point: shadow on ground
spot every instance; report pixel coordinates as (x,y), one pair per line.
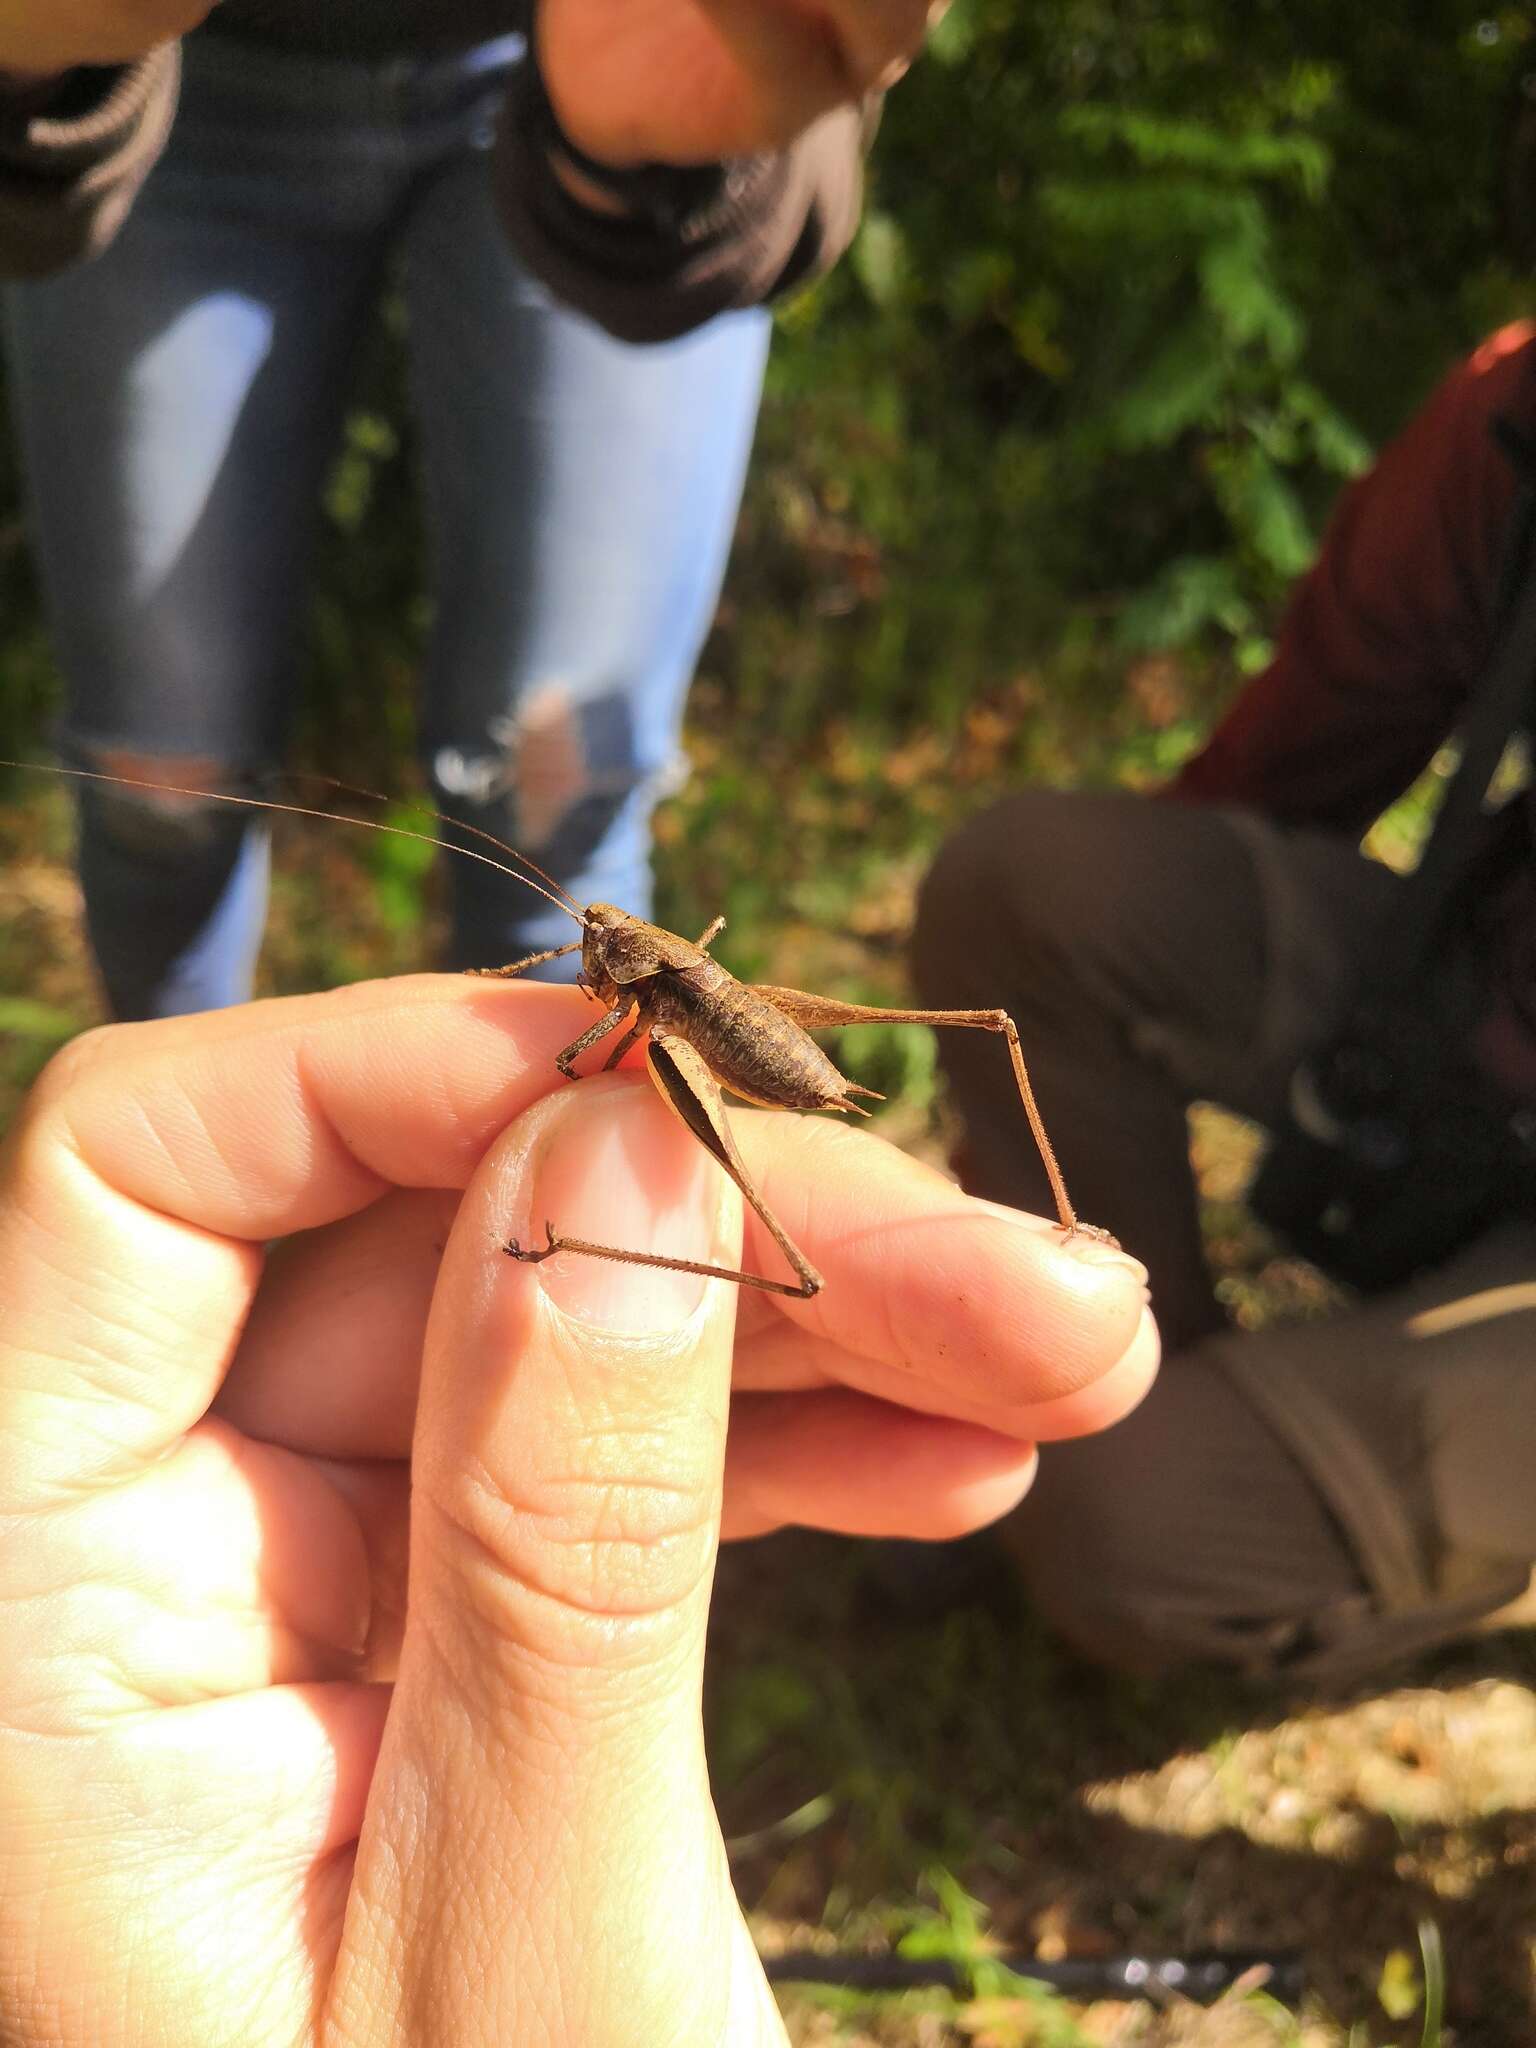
(1091,1813)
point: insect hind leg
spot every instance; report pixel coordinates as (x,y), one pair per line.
(528,1255)
(825,1013)
(689,1088)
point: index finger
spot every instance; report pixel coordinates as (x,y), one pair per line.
(153,1162)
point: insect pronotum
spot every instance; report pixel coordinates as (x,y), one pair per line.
(703,1029)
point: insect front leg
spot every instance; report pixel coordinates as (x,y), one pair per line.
(522,966)
(573,1052)
(823,1013)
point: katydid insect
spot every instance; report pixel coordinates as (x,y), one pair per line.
(703,1028)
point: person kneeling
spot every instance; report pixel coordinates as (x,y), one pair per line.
(1320,1498)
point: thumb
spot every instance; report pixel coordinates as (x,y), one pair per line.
(541,1861)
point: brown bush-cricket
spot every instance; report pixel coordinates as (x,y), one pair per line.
(703,1029)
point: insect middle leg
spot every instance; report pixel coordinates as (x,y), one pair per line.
(624,1044)
(824,1013)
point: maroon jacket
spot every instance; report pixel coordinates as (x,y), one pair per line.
(1383,641)
(1382,644)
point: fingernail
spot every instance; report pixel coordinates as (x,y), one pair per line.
(1083,1243)
(616,1169)
(1102,1251)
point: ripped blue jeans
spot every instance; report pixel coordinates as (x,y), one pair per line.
(179,402)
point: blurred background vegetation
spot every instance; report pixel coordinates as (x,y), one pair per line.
(1139,286)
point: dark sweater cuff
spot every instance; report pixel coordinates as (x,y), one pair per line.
(692,242)
(72,162)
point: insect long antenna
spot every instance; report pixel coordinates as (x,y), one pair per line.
(264,803)
(568,901)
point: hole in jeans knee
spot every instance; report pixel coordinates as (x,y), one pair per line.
(550,768)
(160,801)
(534,760)
(559,752)
(167,781)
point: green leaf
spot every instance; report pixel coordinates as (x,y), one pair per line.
(1398,1989)
(1155,141)
(953,36)
(40,1023)
(1181,388)
(1336,444)
(976,282)
(953,1934)
(1142,212)
(879,260)
(1264,509)
(1184,601)
(1240,290)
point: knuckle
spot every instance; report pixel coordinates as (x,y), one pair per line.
(583,1551)
(69,1069)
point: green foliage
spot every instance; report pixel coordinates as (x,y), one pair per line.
(758,1705)
(400,867)
(900,1061)
(955,1933)
(1138,286)
(30,1033)
(1139,283)
(1197,202)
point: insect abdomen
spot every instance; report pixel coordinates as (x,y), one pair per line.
(752,1048)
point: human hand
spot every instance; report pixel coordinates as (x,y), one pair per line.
(220,1824)
(689,81)
(36,40)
